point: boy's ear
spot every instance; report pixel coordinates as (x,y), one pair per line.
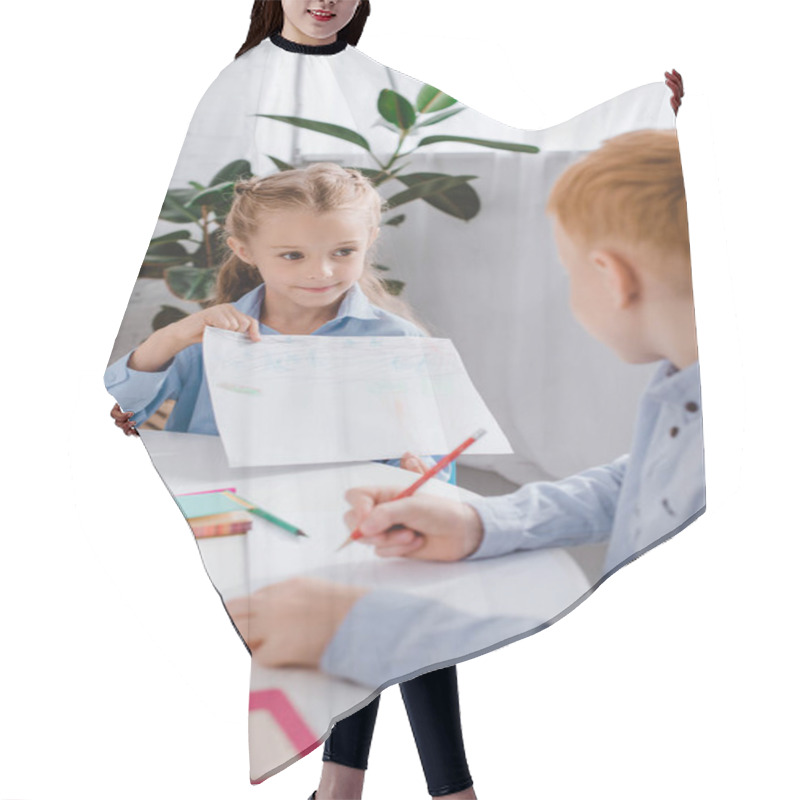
(618,276)
(373,236)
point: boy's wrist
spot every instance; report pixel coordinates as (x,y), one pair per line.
(474,530)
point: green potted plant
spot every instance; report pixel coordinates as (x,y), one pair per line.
(188,259)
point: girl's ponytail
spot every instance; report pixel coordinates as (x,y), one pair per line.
(235,278)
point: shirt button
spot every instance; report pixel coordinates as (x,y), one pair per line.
(673,432)
(691,406)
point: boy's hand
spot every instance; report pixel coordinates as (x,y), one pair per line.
(225,316)
(291,623)
(428,527)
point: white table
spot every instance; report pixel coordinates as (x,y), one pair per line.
(539,584)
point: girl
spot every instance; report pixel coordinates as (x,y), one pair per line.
(300,242)
(317,286)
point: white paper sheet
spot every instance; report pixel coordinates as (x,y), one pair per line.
(324,399)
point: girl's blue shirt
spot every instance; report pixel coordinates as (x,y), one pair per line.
(183,378)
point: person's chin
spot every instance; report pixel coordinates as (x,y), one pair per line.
(323,297)
(636,356)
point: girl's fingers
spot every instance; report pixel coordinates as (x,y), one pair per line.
(255,334)
(412,463)
(236,321)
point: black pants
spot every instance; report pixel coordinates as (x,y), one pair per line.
(432,706)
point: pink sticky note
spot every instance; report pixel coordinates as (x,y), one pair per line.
(276,703)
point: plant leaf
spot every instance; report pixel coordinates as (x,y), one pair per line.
(395,220)
(322,127)
(377,176)
(174,236)
(396,109)
(430,99)
(450,194)
(283,166)
(174,207)
(439,117)
(517,148)
(190,283)
(161,255)
(166,316)
(211,195)
(392,286)
(230,173)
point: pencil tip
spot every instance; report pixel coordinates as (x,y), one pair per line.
(344,544)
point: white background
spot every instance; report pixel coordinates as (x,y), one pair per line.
(120,677)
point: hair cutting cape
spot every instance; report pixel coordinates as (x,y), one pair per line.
(301,419)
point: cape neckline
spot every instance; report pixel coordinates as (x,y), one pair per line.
(308,49)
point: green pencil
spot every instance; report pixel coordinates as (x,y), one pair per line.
(259,512)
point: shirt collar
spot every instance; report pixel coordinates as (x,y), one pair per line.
(354,304)
(672,385)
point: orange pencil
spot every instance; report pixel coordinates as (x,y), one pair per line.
(437,467)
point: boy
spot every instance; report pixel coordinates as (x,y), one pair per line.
(620,225)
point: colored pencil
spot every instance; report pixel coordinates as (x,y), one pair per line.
(208,491)
(423,479)
(259,512)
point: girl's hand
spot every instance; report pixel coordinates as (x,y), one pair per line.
(122,419)
(413,463)
(675,82)
(156,352)
(190,329)
(427,527)
(291,623)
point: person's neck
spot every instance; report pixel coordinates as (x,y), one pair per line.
(676,334)
(297,36)
(295,320)
(332,46)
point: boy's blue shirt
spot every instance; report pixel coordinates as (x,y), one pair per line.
(634,502)
(184,377)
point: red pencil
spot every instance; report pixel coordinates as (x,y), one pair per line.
(437,467)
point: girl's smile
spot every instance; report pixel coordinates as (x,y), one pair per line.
(320,289)
(322,16)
